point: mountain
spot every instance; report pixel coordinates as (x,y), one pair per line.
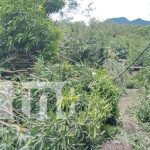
(140,21)
(123,20)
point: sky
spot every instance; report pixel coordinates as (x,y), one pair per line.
(131,9)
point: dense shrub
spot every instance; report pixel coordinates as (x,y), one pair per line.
(95,101)
(26,32)
(82,43)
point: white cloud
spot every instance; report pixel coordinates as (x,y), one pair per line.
(130,9)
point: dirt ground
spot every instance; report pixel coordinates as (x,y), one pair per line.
(127,125)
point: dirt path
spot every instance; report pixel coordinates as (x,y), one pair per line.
(128,124)
(125,103)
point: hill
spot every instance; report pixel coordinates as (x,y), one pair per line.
(123,20)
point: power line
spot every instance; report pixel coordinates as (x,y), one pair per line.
(133,62)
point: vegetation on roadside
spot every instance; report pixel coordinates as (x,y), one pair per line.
(86,58)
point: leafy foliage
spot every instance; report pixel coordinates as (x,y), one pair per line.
(144,82)
(144,111)
(26,32)
(89,97)
(82,43)
(53,6)
(95,113)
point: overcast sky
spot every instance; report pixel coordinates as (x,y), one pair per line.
(130,9)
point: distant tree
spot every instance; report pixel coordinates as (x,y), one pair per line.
(82,43)
(53,6)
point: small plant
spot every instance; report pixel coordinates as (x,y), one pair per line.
(144,111)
